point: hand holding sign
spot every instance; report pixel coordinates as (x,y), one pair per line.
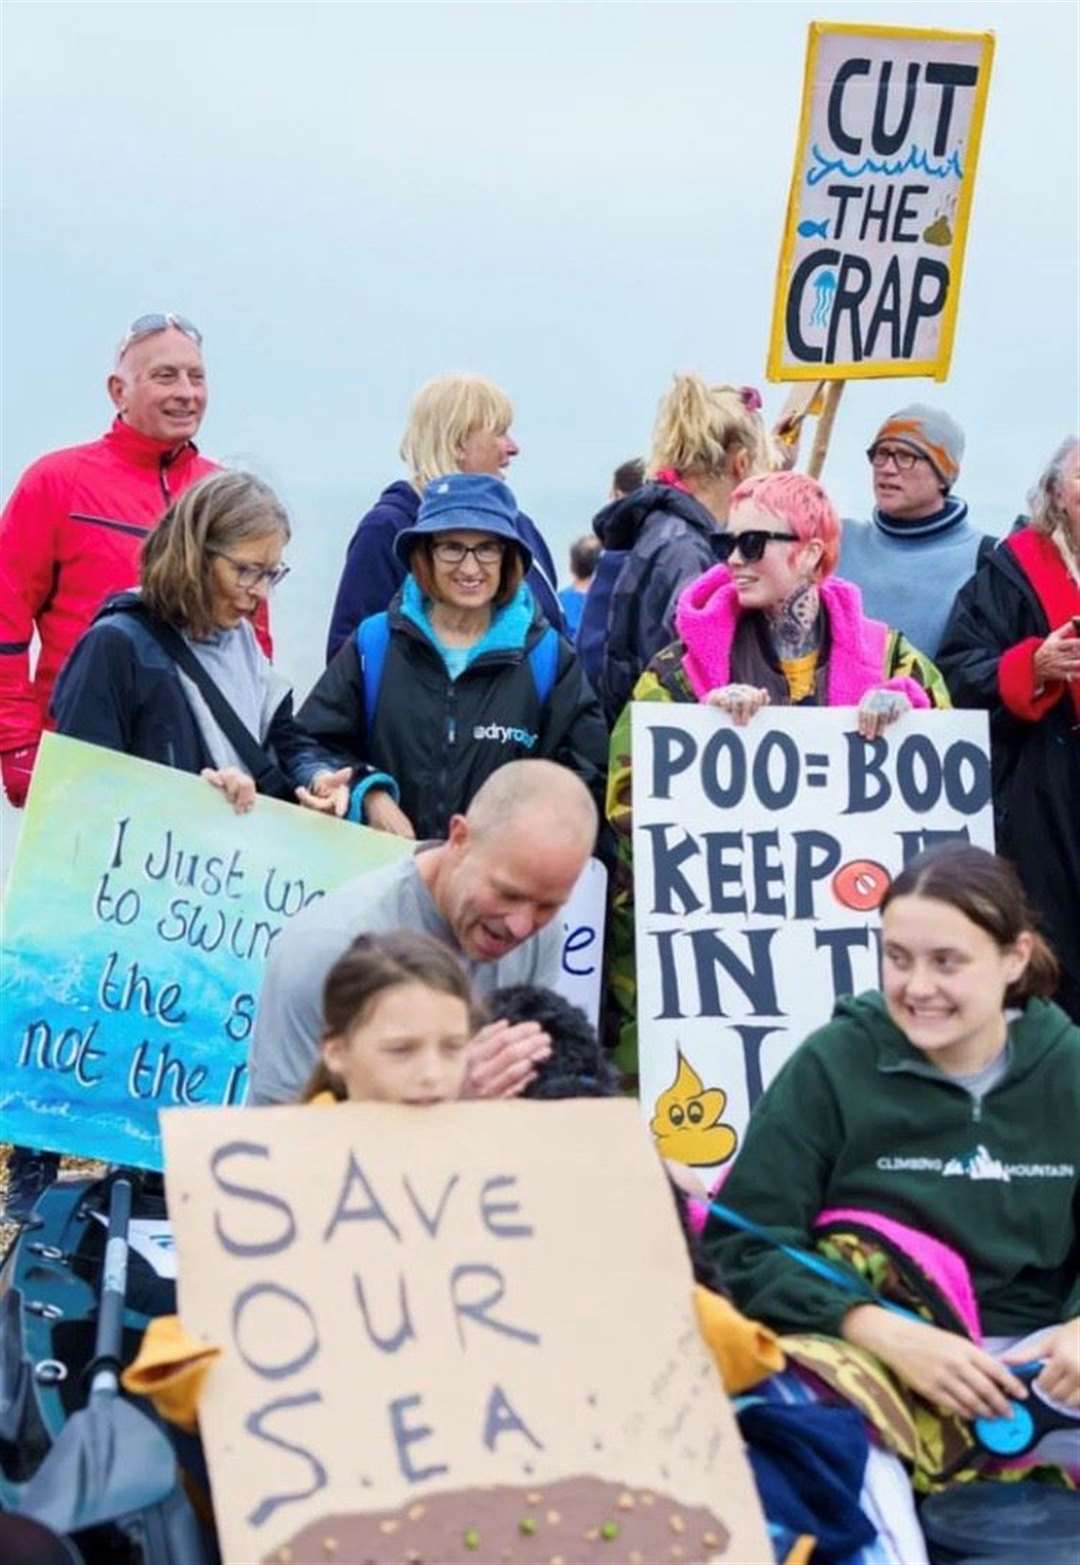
(879,708)
(740,702)
(235,784)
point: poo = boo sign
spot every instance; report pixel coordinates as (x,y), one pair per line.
(761,857)
(868,282)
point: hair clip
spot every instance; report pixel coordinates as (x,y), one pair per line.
(751,398)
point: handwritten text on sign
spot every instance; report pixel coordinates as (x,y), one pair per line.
(137,924)
(869,275)
(426,1349)
(760,857)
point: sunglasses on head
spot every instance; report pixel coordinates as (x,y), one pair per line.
(160,320)
(750,544)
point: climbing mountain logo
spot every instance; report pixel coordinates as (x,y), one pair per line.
(977,1165)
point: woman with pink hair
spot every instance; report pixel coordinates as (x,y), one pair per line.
(769,625)
(772,625)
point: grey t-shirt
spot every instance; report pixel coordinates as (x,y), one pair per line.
(288,1026)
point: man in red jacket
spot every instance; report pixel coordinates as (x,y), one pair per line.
(71,532)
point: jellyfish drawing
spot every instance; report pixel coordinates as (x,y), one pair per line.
(824,288)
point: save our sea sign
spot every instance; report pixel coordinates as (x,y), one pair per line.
(138,918)
(761,857)
(440,1343)
(868,282)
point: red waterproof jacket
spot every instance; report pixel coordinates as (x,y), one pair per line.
(70,536)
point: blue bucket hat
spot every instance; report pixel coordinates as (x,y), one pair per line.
(466,502)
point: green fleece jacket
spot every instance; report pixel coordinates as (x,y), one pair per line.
(859,1118)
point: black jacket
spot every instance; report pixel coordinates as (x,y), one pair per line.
(121,690)
(440,738)
(1036,764)
(668,535)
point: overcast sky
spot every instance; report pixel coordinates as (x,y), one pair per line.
(576,200)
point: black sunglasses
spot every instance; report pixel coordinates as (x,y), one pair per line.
(750,544)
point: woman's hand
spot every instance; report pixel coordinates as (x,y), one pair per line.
(1059,655)
(383,814)
(740,702)
(503,1058)
(236,785)
(877,709)
(1060,1377)
(947,1369)
(329,792)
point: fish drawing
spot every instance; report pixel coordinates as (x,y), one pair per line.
(807,229)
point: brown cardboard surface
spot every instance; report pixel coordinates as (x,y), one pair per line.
(464,1332)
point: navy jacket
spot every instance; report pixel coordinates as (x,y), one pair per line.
(373,573)
(664,538)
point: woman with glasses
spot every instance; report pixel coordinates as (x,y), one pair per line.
(463,672)
(769,625)
(173,673)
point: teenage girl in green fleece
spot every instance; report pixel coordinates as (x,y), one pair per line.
(949,1102)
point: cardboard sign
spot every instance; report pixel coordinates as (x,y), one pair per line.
(868,282)
(761,855)
(482,1354)
(137,922)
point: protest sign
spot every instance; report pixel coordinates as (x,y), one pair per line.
(485,1354)
(868,282)
(761,855)
(137,923)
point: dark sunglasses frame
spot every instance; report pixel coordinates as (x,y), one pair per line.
(466,549)
(750,544)
(902,457)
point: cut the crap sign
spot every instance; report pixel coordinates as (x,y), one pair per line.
(869,276)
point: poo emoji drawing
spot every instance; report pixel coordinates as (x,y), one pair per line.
(687,1122)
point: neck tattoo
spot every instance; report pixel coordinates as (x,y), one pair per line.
(793,624)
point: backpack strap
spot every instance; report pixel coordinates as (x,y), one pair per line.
(544,662)
(372,641)
(262,767)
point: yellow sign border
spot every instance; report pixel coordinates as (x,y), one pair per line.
(937,368)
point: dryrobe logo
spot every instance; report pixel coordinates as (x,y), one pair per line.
(501,735)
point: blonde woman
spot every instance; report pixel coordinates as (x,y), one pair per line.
(457,424)
(706,440)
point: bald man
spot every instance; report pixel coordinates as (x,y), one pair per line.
(71,532)
(491,891)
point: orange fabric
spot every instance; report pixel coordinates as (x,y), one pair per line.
(803,1551)
(170,1368)
(745,1351)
